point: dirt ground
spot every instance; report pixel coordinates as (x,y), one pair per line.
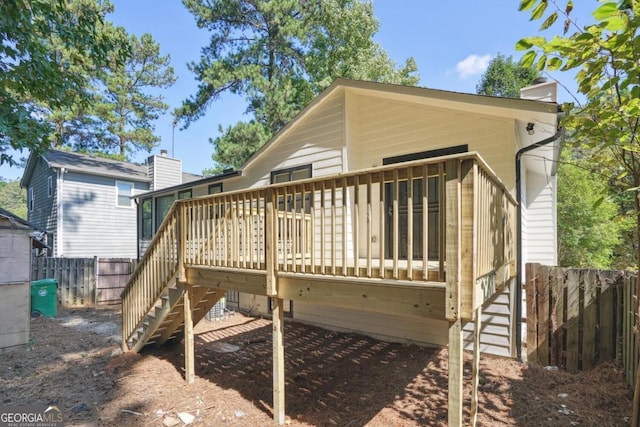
(332,379)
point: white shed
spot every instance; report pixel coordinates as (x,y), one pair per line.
(15,272)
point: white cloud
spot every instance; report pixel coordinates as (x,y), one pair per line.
(472,65)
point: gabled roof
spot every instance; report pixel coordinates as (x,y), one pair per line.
(96,165)
(15,220)
(493,105)
(93,165)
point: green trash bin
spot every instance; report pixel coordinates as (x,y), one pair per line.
(44,297)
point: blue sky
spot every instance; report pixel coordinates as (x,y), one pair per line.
(451,41)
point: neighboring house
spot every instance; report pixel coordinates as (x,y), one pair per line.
(17,237)
(355,125)
(85,203)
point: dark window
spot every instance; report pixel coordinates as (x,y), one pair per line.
(291,174)
(215,188)
(163,204)
(288,175)
(31,198)
(185,194)
(49,186)
(147,220)
(432,211)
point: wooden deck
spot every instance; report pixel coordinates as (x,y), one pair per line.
(379,240)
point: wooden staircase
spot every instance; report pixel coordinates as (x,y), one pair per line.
(166,321)
(153,300)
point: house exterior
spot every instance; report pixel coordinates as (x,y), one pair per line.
(16,242)
(86,204)
(355,125)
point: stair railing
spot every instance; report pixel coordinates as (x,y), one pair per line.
(154,273)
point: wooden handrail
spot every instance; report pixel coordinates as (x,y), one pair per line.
(386,222)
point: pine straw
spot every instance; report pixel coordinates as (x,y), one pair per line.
(332,379)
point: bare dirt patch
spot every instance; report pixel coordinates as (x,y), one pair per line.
(331,379)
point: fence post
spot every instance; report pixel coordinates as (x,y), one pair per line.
(95,283)
(532,272)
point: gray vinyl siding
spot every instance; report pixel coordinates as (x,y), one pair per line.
(165,172)
(93,224)
(44,213)
(540,227)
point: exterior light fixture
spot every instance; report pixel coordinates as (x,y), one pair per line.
(529,128)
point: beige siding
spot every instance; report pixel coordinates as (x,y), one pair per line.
(382,326)
(389,128)
(318,140)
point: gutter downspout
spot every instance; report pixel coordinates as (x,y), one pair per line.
(138,216)
(59,248)
(519,235)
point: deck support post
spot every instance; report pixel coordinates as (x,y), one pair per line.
(271,258)
(189,356)
(453,292)
(475,374)
(278,361)
(455,373)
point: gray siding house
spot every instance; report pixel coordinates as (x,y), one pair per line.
(86,204)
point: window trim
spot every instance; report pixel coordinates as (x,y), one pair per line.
(131,204)
(429,154)
(49,186)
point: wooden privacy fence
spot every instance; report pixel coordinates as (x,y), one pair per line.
(85,281)
(578,318)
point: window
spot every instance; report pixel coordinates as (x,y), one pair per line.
(184,194)
(163,204)
(124,191)
(147,220)
(433,210)
(215,188)
(288,175)
(31,198)
(291,174)
(50,186)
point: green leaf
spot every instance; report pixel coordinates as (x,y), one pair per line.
(539,10)
(554,64)
(526,5)
(551,19)
(542,62)
(523,44)
(605,11)
(616,23)
(528,58)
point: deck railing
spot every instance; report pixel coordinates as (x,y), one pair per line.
(387,222)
